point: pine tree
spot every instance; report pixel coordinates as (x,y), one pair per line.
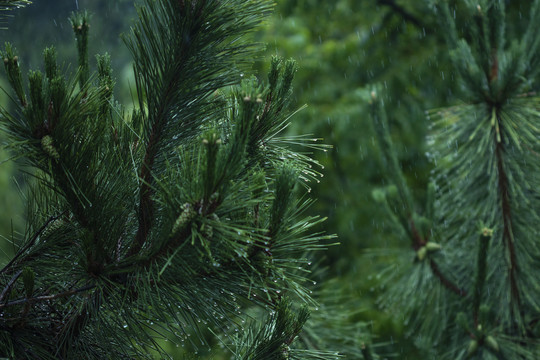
(469,289)
(181,217)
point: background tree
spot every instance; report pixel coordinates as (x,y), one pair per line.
(183,210)
(472,290)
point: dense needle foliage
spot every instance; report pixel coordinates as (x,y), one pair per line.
(472,291)
(169,221)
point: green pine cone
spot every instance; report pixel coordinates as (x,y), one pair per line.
(47,144)
(186,216)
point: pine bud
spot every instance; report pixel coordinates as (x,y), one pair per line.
(486,232)
(421,253)
(53,226)
(378,195)
(492,343)
(284,349)
(186,216)
(462,321)
(207,231)
(392,191)
(47,144)
(432,246)
(473,347)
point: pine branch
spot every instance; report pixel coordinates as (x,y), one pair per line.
(179,243)
(481,272)
(9,285)
(42,298)
(419,242)
(444,280)
(506,214)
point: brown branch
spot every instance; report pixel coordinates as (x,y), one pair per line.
(10,284)
(444,280)
(417,239)
(146,204)
(47,297)
(418,242)
(508,236)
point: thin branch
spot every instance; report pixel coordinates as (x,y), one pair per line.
(417,239)
(508,236)
(400,10)
(418,242)
(444,280)
(10,284)
(47,297)
(146,204)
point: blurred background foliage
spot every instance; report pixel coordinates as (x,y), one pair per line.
(342,47)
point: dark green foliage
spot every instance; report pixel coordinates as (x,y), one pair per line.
(6,5)
(143,225)
(475,296)
(273,341)
(80,23)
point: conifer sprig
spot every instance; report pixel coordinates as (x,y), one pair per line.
(185,212)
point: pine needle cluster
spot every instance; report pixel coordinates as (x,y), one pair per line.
(168,220)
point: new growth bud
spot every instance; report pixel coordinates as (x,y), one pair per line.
(425,250)
(47,144)
(487,232)
(472,348)
(421,253)
(432,246)
(492,343)
(186,216)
